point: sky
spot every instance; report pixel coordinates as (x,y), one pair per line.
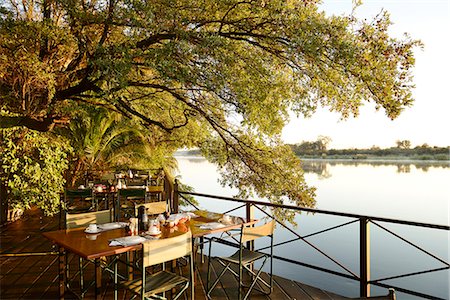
(428,120)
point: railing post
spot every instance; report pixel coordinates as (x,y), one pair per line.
(175,197)
(249,215)
(364,256)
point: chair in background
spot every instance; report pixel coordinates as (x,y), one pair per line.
(102,190)
(127,199)
(153,208)
(244,259)
(155,192)
(80,195)
(83,220)
(156,252)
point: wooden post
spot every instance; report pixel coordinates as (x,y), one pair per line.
(364,256)
(175,197)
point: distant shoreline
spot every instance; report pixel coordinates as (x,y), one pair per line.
(374,159)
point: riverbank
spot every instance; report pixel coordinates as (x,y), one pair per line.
(352,158)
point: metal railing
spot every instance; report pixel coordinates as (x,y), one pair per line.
(365,222)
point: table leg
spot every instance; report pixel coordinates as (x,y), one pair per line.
(202,242)
(62,272)
(116,259)
(117,208)
(130,268)
(98,277)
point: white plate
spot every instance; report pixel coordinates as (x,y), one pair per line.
(92,231)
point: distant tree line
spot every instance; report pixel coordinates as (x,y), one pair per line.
(402,149)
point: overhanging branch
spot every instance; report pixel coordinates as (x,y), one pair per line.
(40,124)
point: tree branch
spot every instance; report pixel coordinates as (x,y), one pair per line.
(42,124)
(155,39)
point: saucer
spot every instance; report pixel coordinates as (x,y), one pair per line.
(154,233)
(87,230)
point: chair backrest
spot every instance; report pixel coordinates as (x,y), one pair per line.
(107,176)
(132,193)
(84,219)
(82,193)
(159,251)
(252,233)
(153,208)
(155,188)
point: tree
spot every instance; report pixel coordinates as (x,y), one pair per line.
(403,144)
(32,168)
(230,70)
(323,142)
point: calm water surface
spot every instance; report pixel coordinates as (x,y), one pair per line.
(400,190)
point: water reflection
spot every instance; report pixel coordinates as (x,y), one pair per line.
(322,167)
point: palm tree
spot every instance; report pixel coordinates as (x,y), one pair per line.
(103,140)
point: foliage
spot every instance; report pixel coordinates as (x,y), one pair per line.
(422,152)
(317,147)
(221,75)
(33,165)
(403,144)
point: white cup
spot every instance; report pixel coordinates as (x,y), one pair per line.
(92,227)
(153,230)
(91,237)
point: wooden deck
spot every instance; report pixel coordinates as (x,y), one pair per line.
(35,276)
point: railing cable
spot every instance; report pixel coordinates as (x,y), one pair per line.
(312,245)
(412,244)
(192,204)
(341,214)
(408,274)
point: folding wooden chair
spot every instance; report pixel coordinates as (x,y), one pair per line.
(156,252)
(83,220)
(244,259)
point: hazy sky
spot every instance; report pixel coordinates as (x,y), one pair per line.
(428,120)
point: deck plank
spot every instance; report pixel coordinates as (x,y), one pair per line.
(36,277)
(278,292)
(291,288)
(314,293)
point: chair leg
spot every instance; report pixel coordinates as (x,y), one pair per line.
(210,289)
(253,283)
(80,264)
(67,270)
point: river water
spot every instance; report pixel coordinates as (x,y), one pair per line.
(411,191)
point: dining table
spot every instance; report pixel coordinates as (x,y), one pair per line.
(97,246)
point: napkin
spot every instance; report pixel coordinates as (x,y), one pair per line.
(110,226)
(127,240)
(212,225)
